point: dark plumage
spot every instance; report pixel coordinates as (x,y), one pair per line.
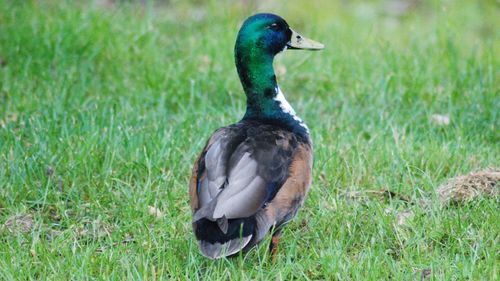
(252,176)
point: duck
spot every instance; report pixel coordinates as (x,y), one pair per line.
(252,177)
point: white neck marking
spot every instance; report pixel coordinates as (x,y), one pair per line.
(287,108)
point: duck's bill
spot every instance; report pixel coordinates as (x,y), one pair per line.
(300,42)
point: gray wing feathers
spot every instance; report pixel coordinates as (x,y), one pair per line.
(215,163)
(243,172)
(244,203)
(216,169)
(245,190)
(235,191)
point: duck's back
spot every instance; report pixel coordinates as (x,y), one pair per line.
(250,177)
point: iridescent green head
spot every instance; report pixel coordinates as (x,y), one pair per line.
(261,37)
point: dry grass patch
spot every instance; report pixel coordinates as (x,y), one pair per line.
(466,188)
(22,223)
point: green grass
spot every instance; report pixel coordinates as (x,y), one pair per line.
(104,108)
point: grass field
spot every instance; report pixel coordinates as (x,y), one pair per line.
(103,108)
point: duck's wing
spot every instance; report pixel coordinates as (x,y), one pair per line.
(205,183)
(239,172)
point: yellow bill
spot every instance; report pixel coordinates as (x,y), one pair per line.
(300,42)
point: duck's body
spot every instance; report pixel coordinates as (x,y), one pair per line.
(252,176)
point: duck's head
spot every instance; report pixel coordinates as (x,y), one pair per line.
(261,37)
(269,34)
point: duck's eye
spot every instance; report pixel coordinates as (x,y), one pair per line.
(273,26)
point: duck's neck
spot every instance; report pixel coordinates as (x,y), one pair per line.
(264,97)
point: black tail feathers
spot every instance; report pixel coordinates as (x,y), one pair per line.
(215,243)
